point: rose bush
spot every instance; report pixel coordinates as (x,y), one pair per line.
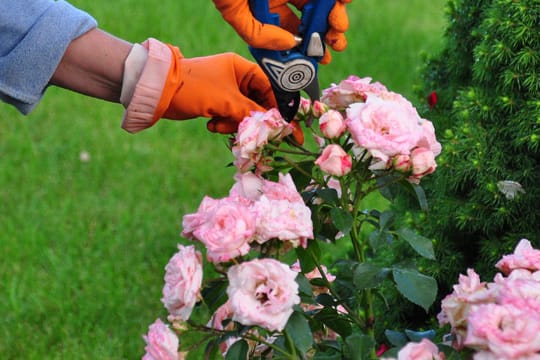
(292,245)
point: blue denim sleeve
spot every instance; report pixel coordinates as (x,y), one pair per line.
(34,35)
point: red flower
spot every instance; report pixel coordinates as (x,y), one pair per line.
(382,349)
(432,99)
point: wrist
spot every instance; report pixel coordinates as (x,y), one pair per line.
(145,76)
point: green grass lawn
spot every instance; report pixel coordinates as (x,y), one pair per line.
(83,244)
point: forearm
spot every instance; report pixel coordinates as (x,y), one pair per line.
(93,65)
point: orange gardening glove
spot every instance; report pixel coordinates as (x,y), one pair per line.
(224,87)
(266,36)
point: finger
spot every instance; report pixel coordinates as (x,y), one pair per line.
(298,133)
(222,125)
(338,18)
(336,40)
(327,58)
(253,83)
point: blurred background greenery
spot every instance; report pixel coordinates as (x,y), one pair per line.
(90,215)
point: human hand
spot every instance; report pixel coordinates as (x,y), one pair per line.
(224,87)
(266,36)
(160,83)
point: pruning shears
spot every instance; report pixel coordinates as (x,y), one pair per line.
(294,70)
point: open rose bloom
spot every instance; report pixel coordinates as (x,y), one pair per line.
(501,319)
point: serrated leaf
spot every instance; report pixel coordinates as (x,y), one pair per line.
(368,276)
(417,288)
(238,350)
(422,245)
(342,219)
(359,346)
(298,329)
(396,338)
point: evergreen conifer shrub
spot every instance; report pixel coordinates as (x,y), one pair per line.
(485,196)
(483,91)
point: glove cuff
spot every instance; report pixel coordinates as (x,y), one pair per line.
(145,75)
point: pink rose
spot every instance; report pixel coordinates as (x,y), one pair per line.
(523,293)
(254,132)
(524,257)
(332,124)
(505,330)
(223,313)
(262,292)
(278,208)
(283,220)
(224,226)
(385,128)
(423,350)
(334,161)
(161,342)
(423,163)
(455,307)
(349,91)
(284,189)
(247,185)
(183,279)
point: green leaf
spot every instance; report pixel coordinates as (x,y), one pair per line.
(368,276)
(215,294)
(360,346)
(377,239)
(417,336)
(305,256)
(238,350)
(329,196)
(417,288)
(331,318)
(421,196)
(342,219)
(304,286)
(419,243)
(325,300)
(328,354)
(386,219)
(299,175)
(298,329)
(396,338)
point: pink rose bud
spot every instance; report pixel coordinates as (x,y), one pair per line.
(319,108)
(402,163)
(305,106)
(332,124)
(423,163)
(334,161)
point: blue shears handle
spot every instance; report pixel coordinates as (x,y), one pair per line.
(293,70)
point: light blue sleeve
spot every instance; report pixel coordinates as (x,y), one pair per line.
(34,35)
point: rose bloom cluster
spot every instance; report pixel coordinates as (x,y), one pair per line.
(501,319)
(383,123)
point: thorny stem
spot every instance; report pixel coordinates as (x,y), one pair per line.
(291,151)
